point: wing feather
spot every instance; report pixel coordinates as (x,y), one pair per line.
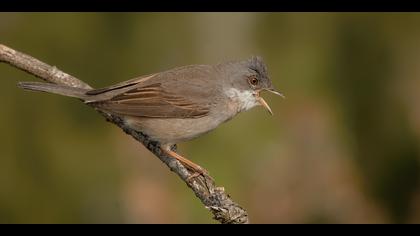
(153,101)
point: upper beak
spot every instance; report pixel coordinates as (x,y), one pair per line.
(264,103)
(276,92)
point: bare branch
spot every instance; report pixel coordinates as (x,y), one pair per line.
(214,198)
(38,68)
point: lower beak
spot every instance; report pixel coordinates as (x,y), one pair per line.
(264,104)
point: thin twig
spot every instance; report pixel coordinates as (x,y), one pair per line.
(224,209)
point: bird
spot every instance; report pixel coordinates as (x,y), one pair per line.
(179,104)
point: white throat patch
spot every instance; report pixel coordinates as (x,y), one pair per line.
(245,99)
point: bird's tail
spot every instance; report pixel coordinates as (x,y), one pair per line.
(55,88)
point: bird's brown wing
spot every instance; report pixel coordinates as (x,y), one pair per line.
(119,86)
(153,101)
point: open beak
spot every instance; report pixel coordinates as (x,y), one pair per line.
(264,103)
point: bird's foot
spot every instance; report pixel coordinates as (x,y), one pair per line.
(194,168)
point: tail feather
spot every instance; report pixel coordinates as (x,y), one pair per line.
(55,88)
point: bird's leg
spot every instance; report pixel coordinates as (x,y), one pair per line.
(198,170)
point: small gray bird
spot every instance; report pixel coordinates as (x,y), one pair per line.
(180,104)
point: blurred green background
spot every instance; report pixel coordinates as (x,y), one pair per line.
(343,147)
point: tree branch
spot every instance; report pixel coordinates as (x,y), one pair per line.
(224,209)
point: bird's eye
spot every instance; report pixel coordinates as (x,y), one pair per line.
(253,81)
